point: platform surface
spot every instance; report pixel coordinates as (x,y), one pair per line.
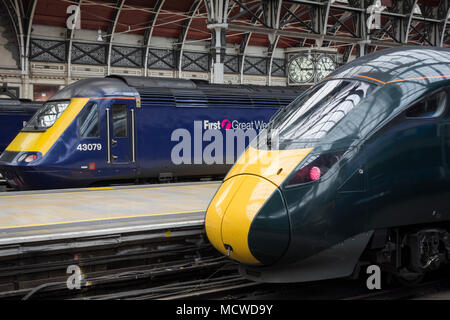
(51,215)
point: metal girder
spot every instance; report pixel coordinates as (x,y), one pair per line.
(182,38)
(149,32)
(69,50)
(271,50)
(410,16)
(296,34)
(323,22)
(297,17)
(254,16)
(217,11)
(242,12)
(244,44)
(272,11)
(30,18)
(423,37)
(342,24)
(15,19)
(19,13)
(348,53)
(112,30)
(246,38)
(355,8)
(445,22)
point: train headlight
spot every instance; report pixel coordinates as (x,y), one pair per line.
(314,168)
(22,157)
(27,157)
(315,173)
(31,158)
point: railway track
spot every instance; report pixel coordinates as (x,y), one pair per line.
(109,262)
(110,285)
(225,284)
(216,278)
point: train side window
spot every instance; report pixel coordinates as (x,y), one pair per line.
(120,120)
(431,107)
(88,122)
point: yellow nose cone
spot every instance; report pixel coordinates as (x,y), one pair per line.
(247,187)
(231,213)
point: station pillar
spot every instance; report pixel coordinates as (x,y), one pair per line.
(217,23)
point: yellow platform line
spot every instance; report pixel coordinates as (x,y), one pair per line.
(105,189)
(99,219)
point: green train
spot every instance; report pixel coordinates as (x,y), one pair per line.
(354,172)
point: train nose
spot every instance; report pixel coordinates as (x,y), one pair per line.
(248,220)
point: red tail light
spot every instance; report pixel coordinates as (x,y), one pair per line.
(314,169)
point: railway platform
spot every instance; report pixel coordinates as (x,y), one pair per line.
(36,216)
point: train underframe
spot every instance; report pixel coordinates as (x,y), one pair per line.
(408,253)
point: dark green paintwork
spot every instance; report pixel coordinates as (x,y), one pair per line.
(405,163)
(269,245)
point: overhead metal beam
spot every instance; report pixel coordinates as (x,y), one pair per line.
(271,50)
(244,44)
(410,16)
(111,32)
(149,32)
(254,16)
(444,26)
(69,51)
(323,22)
(184,32)
(11,8)
(28,38)
(312,36)
(217,22)
(297,18)
(242,12)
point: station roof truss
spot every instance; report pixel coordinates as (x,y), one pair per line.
(340,24)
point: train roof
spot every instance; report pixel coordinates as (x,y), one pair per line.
(19,105)
(399,64)
(180,92)
(131,86)
(95,87)
(145,83)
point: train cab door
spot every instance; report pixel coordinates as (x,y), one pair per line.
(121,146)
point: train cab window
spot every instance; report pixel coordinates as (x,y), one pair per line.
(46,116)
(311,117)
(120,120)
(88,122)
(431,107)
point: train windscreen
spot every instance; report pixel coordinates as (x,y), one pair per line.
(46,116)
(310,117)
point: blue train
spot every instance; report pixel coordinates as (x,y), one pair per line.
(13,114)
(104,130)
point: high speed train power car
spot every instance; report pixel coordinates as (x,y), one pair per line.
(130,128)
(354,172)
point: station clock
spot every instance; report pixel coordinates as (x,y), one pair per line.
(325,65)
(301,69)
(307,66)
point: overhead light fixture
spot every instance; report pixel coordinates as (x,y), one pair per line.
(99,37)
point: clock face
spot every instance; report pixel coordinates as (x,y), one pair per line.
(325,65)
(301,69)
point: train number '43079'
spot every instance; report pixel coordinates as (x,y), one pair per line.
(89,146)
